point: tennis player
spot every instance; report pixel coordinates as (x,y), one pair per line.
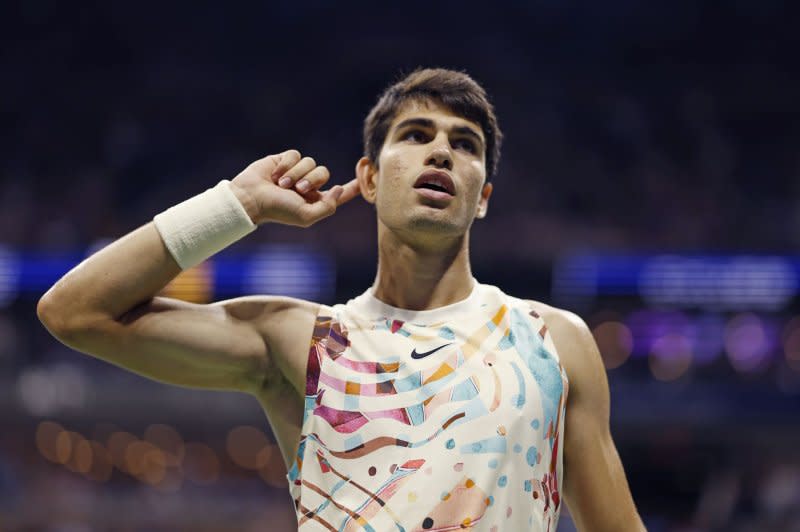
(429,402)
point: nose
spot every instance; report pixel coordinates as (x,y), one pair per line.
(440,156)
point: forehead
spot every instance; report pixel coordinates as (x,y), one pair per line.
(438,113)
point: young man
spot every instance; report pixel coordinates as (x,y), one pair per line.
(431,401)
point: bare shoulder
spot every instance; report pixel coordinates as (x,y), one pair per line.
(286,325)
(557,315)
(574,342)
(568,329)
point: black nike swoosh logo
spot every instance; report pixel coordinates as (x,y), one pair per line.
(417,356)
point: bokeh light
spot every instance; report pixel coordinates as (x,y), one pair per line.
(670,357)
(47,390)
(153,466)
(200,463)
(246,445)
(74,448)
(101,468)
(746,342)
(76,453)
(46,434)
(168,440)
(143,459)
(273,472)
(647,326)
(83,456)
(194,284)
(140,458)
(117,445)
(63,447)
(615,341)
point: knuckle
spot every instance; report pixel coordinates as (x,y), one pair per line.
(309,161)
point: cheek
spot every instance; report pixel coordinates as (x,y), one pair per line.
(394,164)
(478,170)
(394,169)
(477,177)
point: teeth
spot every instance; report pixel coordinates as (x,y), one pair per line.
(435,183)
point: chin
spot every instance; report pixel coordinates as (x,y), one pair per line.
(440,224)
(422,224)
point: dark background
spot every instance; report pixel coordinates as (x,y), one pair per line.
(633,129)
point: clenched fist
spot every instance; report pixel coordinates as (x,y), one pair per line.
(285,188)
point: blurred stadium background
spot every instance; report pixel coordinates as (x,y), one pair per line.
(650,182)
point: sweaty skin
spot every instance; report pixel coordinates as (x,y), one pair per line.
(109,305)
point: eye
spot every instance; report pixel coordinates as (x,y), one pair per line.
(465,144)
(414,135)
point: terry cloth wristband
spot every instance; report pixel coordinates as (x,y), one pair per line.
(203,225)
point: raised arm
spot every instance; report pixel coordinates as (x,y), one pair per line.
(107,305)
(595,488)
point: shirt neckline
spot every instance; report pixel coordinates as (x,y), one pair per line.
(370,305)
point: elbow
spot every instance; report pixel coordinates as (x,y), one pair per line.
(59,317)
(51,316)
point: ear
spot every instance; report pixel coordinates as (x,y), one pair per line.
(367,174)
(483,202)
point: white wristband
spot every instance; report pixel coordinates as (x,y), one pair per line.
(203,225)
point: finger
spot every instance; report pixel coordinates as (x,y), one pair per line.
(325,206)
(288,159)
(270,161)
(296,172)
(349,191)
(313,180)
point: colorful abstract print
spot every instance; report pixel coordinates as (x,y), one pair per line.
(431,426)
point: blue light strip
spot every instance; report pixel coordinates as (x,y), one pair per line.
(287,270)
(766,282)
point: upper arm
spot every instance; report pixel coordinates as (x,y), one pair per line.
(221,345)
(595,488)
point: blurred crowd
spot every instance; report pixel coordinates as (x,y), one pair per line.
(640,131)
(648,128)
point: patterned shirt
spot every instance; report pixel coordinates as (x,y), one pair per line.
(443,419)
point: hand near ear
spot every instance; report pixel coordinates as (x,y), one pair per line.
(286,188)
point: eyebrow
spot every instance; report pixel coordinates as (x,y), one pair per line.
(427,123)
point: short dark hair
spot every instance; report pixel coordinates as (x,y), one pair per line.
(455,90)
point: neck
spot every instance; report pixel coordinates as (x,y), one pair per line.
(418,277)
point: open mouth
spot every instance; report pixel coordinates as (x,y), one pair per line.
(436,181)
(431,186)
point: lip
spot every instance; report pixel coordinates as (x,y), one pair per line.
(433,194)
(444,177)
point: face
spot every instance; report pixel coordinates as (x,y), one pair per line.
(431,173)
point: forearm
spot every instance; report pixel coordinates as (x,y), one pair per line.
(133,269)
(111,282)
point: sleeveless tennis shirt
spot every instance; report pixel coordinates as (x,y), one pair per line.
(444,419)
